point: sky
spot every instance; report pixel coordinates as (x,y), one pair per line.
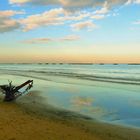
(70,31)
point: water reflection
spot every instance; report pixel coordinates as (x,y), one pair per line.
(86,105)
(82,101)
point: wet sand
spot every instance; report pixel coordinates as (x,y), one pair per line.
(27,119)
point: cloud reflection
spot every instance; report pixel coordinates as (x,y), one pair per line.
(85,105)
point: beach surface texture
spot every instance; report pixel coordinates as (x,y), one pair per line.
(18,122)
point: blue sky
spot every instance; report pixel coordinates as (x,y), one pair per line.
(103,31)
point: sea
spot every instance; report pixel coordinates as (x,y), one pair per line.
(105,92)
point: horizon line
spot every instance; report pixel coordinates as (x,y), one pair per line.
(68,63)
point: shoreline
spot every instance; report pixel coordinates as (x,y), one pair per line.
(26,119)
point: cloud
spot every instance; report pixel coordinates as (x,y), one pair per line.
(133,2)
(128,2)
(137,22)
(7,23)
(84,25)
(10,13)
(45,19)
(137,1)
(97,17)
(69,12)
(64,3)
(53,17)
(77,16)
(38,40)
(47,40)
(18,1)
(100,13)
(35,2)
(103,10)
(71,4)
(80,4)
(70,38)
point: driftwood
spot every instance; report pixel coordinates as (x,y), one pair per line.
(12,92)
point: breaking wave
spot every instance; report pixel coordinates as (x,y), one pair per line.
(46,74)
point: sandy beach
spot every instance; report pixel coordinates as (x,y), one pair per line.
(30,120)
